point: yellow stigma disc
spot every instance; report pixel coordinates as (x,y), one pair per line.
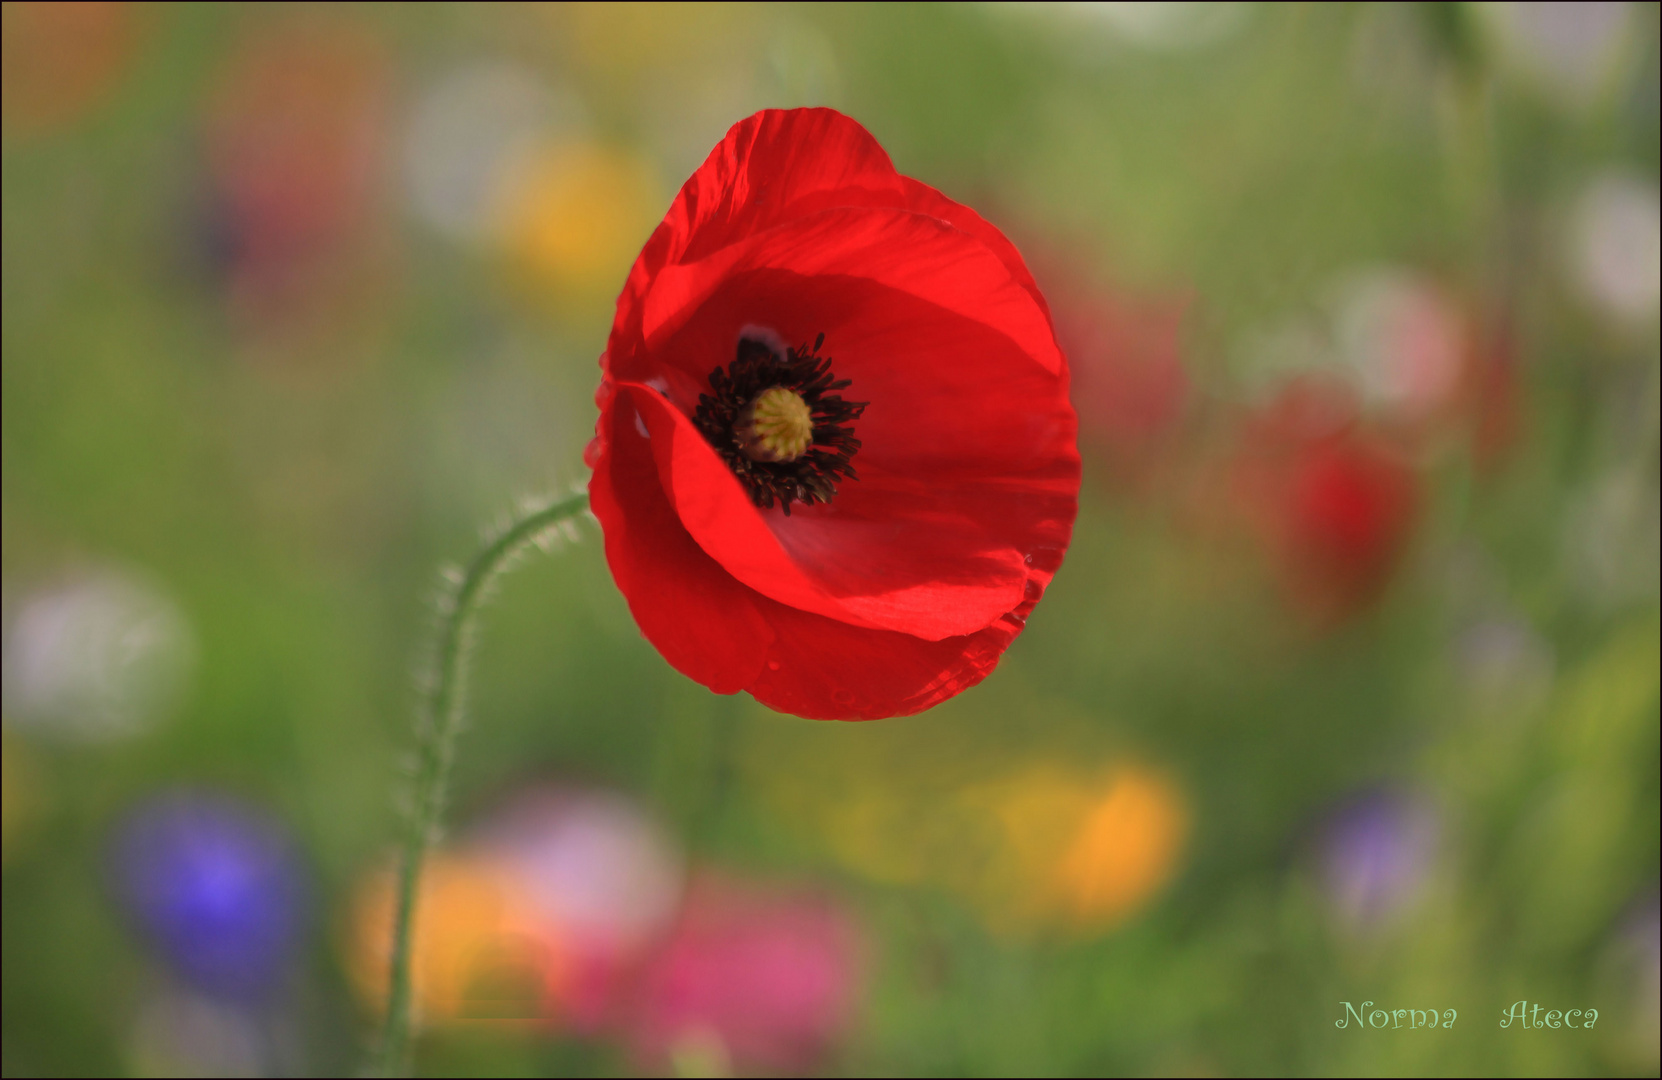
(776,426)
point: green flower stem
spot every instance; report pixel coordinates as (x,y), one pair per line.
(436,728)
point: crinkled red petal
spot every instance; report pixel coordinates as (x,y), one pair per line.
(705,623)
(784,164)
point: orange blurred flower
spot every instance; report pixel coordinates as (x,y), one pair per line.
(1079,851)
(482,951)
(1125,850)
(1044,845)
(61,59)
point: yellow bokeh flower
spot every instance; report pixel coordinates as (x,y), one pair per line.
(573,216)
(19,793)
(1065,848)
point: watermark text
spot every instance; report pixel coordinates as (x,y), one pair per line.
(1369,1017)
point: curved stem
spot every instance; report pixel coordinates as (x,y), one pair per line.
(436,728)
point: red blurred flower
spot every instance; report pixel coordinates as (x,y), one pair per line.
(1132,386)
(1336,502)
(1492,392)
(751,981)
(848,527)
(1126,354)
(1349,508)
(294,141)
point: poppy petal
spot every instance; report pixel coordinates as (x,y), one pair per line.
(784,164)
(822,669)
(705,623)
(718,514)
(775,166)
(920,198)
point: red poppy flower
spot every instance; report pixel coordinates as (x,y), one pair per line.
(835,461)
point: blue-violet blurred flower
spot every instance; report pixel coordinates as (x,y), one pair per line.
(216,887)
(1377,856)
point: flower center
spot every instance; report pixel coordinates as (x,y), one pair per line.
(776,426)
(772,416)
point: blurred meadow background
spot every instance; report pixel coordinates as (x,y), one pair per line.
(1348,690)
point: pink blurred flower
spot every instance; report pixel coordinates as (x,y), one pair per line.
(1404,338)
(602,874)
(1431,360)
(753,979)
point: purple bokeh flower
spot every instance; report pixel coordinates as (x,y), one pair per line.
(216,887)
(1377,856)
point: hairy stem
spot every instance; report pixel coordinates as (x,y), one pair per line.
(436,728)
